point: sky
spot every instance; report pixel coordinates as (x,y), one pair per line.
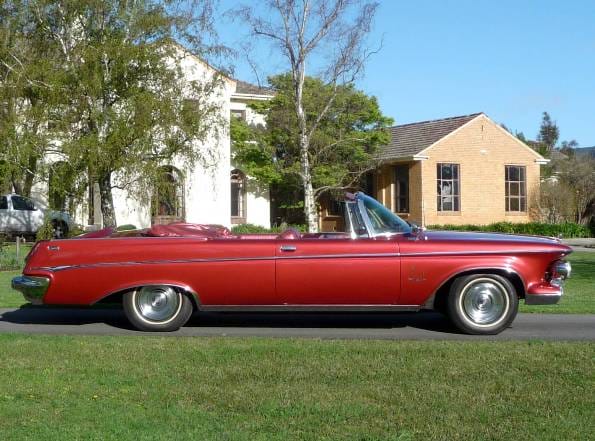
(512,60)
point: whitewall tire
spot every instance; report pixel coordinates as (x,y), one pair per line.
(159,308)
(482,303)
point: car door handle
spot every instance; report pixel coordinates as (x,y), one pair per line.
(288,248)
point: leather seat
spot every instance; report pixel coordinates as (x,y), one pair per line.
(290,234)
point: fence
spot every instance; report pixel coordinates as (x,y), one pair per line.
(13,253)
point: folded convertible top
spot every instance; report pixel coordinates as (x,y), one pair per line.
(181,229)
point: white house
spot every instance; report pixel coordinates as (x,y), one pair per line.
(212,192)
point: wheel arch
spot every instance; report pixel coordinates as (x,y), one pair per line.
(438,299)
(117,295)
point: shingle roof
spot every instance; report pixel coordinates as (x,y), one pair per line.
(410,139)
(252,89)
(585,152)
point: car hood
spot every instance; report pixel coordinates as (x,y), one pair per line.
(463,236)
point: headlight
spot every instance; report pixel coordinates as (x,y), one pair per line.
(562,269)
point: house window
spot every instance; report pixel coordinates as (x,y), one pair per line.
(367,184)
(168,198)
(449,193)
(516,188)
(334,208)
(238,197)
(402,188)
(238,114)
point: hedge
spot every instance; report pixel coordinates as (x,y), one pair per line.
(254,229)
(567,229)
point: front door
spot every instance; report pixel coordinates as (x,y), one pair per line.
(338,271)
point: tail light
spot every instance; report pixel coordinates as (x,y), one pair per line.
(33,250)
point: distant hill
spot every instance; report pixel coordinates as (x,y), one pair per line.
(585,151)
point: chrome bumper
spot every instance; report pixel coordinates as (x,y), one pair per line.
(551,293)
(548,298)
(33,288)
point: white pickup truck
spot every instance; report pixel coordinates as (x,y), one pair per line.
(20,217)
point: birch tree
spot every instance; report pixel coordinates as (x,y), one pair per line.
(330,33)
(342,149)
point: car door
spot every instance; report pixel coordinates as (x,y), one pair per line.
(24,217)
(235,273)
(315,271)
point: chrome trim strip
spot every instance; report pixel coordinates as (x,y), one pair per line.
(223,259)
(479,253)
(310,308)
(317,256)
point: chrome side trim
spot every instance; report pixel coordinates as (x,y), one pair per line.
(310,308)
(33,288)
(318,256)
(223,259)
(480,253)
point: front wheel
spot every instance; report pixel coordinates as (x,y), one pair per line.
(158,308)
(482,303)
(60,229)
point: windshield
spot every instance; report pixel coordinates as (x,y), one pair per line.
(383,220)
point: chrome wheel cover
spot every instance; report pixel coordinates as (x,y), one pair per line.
(157,304)
(484,302)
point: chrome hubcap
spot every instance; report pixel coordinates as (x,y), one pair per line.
(157,303)
(484,301)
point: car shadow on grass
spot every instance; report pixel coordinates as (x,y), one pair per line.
(114,316)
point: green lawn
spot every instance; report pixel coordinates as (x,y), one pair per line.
(136,388)
(9,260)
(8,297)
(579,289)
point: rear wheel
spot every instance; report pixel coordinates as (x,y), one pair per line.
(482,303)
(157,308)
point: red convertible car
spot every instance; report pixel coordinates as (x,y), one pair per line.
(161,275)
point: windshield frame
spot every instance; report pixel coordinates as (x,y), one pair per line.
(404,227)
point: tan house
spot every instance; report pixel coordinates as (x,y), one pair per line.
(459,170)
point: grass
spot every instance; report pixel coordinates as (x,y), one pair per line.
(8,256)
(579,291)
(137,388)
(9,298)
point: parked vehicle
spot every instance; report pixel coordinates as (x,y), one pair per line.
(381,263)
(20,217)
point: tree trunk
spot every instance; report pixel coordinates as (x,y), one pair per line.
(16,184)
(30,175)
(309,201)
(107,202)
(310,211)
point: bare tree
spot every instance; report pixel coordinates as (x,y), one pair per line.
(302,31)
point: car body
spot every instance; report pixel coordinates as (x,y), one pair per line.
(20,217)
(380,264)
